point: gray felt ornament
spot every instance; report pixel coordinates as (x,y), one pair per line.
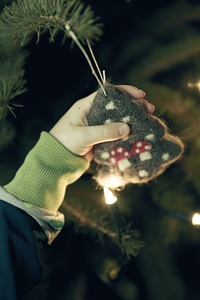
(143,154)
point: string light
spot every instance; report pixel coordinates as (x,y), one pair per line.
(196,219)
(111,200)
(109,197)
(193,219)
(194,85)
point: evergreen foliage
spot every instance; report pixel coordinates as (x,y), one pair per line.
(19,21)
(22,18)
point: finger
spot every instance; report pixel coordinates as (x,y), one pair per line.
(139,94)
(150,108)
(89,99)
(104,133)
(77,113)
(133,91)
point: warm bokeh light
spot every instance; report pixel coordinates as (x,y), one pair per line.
(112,181)
(196,219)
(194,85)
(109,197)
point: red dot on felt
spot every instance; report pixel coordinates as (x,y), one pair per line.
(118,153)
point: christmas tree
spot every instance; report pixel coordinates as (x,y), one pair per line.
(154,46)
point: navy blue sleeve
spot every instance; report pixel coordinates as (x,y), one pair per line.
(20,267)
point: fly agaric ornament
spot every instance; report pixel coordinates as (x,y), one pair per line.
(144,154)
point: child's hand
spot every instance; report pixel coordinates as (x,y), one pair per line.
(73,132)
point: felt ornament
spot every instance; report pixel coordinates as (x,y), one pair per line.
(141,156)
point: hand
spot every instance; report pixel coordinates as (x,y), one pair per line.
(73,132)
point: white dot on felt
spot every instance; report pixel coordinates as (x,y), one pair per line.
(124,164)
(110,105)
(112,152)
(120,150)
(143,173)
(108,121)
(126,154)
(145,156)
(149,137)
(137,150)
(105,155)
(165,156)
(139,144)
(148,147)
(126,119)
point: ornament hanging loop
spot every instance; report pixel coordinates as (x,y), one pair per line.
(100,80)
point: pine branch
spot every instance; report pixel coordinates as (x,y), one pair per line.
(156,46)
(3,3)
(23,18)
(12,82)
(94,219)
(18,24)
(10,87)
(130,244)
(187,12)
(165,56)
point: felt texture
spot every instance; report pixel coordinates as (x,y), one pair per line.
(144,154)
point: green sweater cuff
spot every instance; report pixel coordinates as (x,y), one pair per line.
(47,170)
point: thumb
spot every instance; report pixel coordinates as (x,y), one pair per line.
(107,132)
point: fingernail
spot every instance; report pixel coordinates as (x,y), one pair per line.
(142,92)
(150,108)
(124,129)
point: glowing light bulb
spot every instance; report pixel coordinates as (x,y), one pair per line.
(196,219)
(111,200)
(194,85)
(109,197)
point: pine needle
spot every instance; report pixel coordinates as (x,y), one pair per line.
(21,21)
(88,217)
(25,17)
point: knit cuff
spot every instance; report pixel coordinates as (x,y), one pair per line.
(47,170)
